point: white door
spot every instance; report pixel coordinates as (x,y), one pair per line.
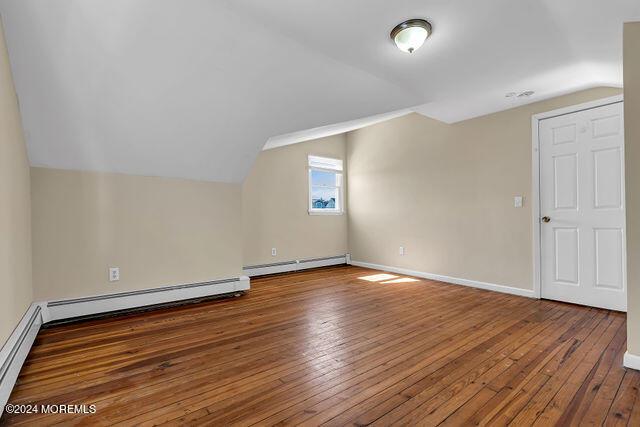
(583,247)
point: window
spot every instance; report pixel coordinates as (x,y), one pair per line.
(325,185)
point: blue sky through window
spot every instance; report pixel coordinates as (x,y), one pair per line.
(322,178)
(324,191)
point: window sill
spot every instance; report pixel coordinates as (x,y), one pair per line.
(319,212)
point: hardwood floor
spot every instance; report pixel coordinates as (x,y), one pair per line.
(340,346)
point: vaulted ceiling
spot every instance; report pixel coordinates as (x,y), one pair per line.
(195,88)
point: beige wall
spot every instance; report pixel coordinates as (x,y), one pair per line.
(275,206)
(632,154)
(15,206)
(159,231)
(445,193)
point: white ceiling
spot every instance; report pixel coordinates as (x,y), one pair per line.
(170,88)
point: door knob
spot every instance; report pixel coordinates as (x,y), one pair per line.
(546,219)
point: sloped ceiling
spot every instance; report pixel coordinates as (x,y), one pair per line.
(195,88)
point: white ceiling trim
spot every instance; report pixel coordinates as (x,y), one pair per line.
(443,111)
(330,130)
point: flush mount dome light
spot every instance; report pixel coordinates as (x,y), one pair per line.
(411,34)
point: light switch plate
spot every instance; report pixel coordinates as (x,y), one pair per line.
(274,252)
(401,250)
(518,201)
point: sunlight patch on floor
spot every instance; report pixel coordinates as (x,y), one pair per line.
(378,277)
(402,280)
(386,278)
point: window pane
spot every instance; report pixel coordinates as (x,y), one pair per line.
(324,198)
(322,178)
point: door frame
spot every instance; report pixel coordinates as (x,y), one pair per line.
(535,179)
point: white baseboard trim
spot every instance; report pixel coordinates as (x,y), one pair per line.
(631,361)
(15,351)
(76,307)
(295,265)
(447,279)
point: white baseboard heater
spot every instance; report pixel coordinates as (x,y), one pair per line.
(295,265)
(15,350)
(78,307)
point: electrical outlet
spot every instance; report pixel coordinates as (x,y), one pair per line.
(114,274)
(274,252)
(401,251)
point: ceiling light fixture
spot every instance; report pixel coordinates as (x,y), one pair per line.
(410,35)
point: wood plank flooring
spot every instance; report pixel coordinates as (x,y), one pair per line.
(340,346)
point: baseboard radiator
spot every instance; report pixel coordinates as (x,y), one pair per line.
(70,308)
(15,350)
(295,265)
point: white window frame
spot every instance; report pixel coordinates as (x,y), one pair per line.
(326,164)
